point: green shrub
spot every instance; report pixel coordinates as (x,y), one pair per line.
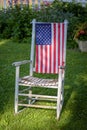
(15,22)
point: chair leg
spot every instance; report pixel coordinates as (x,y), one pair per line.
(16,88)
(16,99)
(62,94)
(30,95)
(59,100)
(58,108)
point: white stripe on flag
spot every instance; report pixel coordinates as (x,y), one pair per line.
(52,54)
(60,44)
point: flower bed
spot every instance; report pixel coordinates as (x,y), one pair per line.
(81,32)
(81,37)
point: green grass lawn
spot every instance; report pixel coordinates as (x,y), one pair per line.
(74,113)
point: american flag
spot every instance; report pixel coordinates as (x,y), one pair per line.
(49,47)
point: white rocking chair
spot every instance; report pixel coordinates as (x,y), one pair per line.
(50,41)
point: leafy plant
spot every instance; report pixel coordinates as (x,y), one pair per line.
(15,23)
(81,32)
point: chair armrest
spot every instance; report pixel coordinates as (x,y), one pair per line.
(21,62)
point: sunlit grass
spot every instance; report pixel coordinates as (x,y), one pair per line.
(2,42)
(74,113)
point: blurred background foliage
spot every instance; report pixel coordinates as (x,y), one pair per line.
(15,22)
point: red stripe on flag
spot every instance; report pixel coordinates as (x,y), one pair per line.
(36,65)
(47,59)
(41,58)
(50,58)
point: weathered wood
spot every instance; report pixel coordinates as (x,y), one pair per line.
(44,99)
(21,62)
(38,82)
(37,96)
(31,81)
(38,106)
(16,88)
(21,91)
(32,47)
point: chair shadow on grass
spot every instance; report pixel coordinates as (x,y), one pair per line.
(75,106)
(74,114)
(6,75)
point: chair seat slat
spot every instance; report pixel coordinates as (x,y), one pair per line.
(38,82)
